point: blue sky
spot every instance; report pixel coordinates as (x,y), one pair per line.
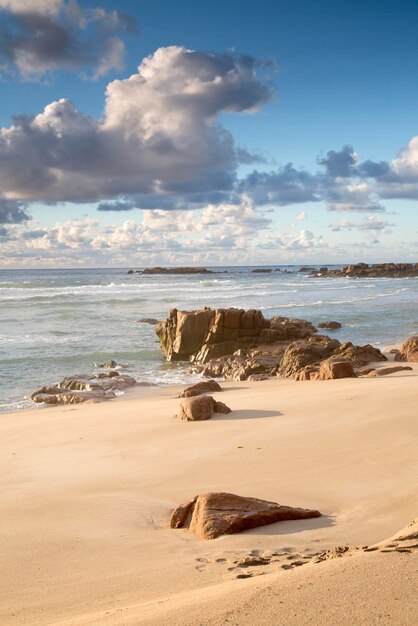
(340,74)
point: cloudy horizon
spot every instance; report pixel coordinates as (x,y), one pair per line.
(172,161)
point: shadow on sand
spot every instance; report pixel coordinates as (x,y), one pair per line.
(246,415)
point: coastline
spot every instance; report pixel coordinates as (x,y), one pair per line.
(89,490)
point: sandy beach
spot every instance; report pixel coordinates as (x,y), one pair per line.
(87,494)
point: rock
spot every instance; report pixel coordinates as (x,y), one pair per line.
(306,269)
(177,270)
(108,365)
(336,368)
(384,371)
(130,271)
(148,320)
(253,378)
(261,271)
(359,355)
(199,388)
(211,515)
(300,354)
(409,350)
(378,270)
(82,388)
(196,409)
(221,407)
(200,336)
(73,397)
(199,408)
(330,325)
(241,368)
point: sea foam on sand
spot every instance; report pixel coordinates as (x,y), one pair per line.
(87,494)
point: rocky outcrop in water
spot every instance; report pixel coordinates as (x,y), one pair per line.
(173,270)
(199,336)
(330,325)
(212,515)
(409,350)
(83,388)
(377,270)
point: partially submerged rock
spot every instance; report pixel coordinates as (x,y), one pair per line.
(200,408)
(83,388)
(330,325)
(409,350)
(148,320)
(377,270)
(211,515)
(110,365)
(200,388)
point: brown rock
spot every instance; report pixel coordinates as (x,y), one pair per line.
(200,336)
(214,514)
(336,368)
(378,270)
(384,371)
(359,355)
(300,354)
(220,407)
(200,388)
(409,350)
(330,325)
(197,408)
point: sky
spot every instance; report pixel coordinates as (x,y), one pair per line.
(136,133)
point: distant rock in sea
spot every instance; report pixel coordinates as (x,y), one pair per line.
(378,270)
(173,270)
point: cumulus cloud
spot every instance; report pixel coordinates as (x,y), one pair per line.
(41,36)
(160,134)
(284,186)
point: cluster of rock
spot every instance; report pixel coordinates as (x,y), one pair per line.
(234,344)
(83,388)
(173,270)
(211,515)
(377,270)
(199,336)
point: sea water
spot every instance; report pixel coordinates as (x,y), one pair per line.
(56,323)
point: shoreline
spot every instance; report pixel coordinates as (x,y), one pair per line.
(89,490)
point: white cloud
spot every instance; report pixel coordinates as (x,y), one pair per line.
(160,134)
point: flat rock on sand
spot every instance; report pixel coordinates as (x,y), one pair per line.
(211,515)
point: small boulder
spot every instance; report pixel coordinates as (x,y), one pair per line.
(197,408)
(409,350)
(331,325)
(110,365)
(148,320)
(221,407)
(331,369)
(200,388)
(384,371)
(211,515)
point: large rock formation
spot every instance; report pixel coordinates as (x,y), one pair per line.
(409,350)
(211,515)
(200,336)
(378,270)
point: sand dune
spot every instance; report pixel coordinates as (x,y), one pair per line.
(87,493)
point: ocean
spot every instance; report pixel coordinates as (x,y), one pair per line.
(55,323)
